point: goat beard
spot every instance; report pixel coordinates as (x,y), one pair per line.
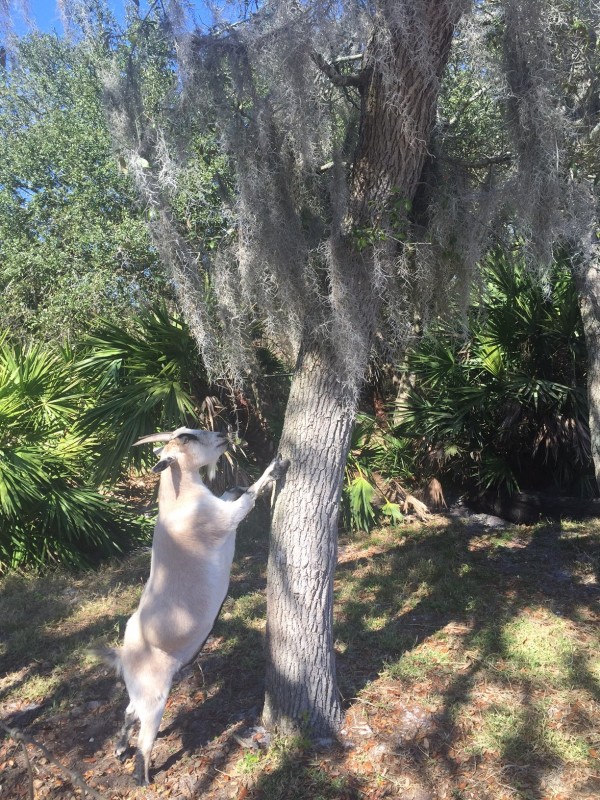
(211,471)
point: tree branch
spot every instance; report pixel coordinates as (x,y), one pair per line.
(31,787)
(469,101)
(334,75)
(503,158)
(72,775)
(346,59)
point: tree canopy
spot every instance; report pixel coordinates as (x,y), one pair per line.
(74,244)
(336,173)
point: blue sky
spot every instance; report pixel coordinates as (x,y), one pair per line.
(42,11)
(45,15)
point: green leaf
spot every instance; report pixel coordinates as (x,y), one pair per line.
(393,511)
(360,494)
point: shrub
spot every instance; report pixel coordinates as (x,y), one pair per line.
(503,404)
(375,455)
(49,511)
(144,379)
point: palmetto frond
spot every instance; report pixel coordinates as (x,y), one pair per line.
(143,382)
(48,511)
(505,405)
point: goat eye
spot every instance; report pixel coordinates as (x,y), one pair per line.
(187,437)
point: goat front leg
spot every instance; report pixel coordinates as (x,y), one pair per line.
(122,744)
(276,470)
(244,504)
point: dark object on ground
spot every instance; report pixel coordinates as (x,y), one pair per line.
(528,507)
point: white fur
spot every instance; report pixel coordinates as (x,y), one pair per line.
(192,552)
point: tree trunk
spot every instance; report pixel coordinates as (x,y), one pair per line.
(301,687)
(587,281)
(397,116)
(411,41)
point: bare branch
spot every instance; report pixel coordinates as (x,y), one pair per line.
(334,75)
(30,788)
(72,775)
(346,59)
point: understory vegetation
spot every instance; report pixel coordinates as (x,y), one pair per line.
(67,423)
(499,401)
(468,660)
(496,402)
(50,511)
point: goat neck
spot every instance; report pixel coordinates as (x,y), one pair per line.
(177,485)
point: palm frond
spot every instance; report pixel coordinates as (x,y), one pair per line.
(505,403)
(49,512)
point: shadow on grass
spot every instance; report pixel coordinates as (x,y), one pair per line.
(393,602)
(44,638)
(296,777)
(388,605)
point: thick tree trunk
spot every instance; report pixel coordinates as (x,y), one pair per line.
(587,281)
(301,686)
(411,43)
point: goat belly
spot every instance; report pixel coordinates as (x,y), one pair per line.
(189,578)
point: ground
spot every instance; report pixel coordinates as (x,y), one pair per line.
(468,662)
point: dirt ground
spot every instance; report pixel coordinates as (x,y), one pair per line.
(467,658)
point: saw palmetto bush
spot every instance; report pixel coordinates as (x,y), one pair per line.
(147,378)
(49,512)
(503,405)
(375,456)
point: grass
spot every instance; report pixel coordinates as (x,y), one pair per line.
(418,664)
(521,733)
(469,662)
(50,621)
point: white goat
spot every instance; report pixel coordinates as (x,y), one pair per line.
(192,552)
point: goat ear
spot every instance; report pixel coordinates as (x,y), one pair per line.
(163,464)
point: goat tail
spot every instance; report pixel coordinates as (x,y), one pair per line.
(111,656)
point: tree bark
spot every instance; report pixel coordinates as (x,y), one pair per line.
(301,691)
(587,281)
(411,41)
(397,117)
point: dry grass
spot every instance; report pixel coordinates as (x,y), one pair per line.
(469,663)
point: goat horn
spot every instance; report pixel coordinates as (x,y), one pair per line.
(153,437)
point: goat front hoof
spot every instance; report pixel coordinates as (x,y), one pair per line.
(141,771)
(279,467)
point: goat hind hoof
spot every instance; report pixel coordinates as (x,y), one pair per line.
(122,753)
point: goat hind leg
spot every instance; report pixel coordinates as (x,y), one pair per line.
(149,724)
